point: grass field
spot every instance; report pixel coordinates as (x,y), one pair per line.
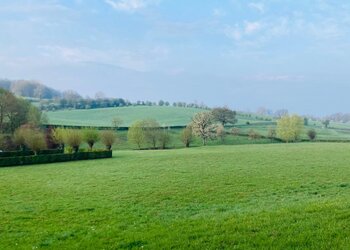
(166,116)
(285,196)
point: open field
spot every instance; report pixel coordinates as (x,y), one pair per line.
(166,116)
(286,196)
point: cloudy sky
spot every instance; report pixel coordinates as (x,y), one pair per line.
(244,54)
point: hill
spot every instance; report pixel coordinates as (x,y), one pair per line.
(166,116)
(31,89)
(283,196)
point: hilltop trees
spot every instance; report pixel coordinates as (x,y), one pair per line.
(289,128)
(224,115)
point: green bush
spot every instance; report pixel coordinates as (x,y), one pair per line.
(73,138)
(108,138)
(91,136)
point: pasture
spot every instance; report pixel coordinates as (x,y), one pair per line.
(286,196)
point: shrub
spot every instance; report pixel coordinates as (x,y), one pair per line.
(19,137)
(35,140)
(235,131)
(271,133)
(91,136)
(312,134)
(187,136)
(58,135)
(220,132)
(152,131)
(73,138)
(164,139)
(136,134)
(108,138)
(253,135)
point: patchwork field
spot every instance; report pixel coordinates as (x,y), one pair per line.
(286,196)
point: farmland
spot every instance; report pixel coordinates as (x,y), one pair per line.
(282,196)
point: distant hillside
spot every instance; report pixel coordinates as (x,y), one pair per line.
(32,89)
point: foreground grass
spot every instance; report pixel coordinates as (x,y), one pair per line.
(294,196)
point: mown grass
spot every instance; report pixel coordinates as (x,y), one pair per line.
(285,196)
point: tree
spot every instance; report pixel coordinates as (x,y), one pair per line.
(108,138)
(203,126)
(220,132)
(34,116)
(306,121)
(164,139)
(187,136)
(326,123)
(271,133)
(19,136)
(58,135)
(253,135)
(116,122)
(312,134)
(151,129)
(35,140)
(224,115)
(91,136)
(136,134)
(235,131)
(73,138)
(289,128)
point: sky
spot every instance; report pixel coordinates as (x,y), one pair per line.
(290,54)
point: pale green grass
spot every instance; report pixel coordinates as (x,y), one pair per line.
(278,196)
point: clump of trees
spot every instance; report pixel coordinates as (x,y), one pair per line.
(289,128)
(224,116)
(149,133)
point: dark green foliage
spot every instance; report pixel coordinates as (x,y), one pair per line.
(312,134)
(28,153)
(224,115)
(52,158)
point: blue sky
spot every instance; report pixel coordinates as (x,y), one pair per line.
(245,54)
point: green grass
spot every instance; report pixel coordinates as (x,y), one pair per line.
(166,116)
(284,196)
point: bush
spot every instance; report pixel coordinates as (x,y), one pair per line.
(187,136)
(108,138)
(271,133)
(152,131)
(73,138)
(58,135)
(136,134)
(91,136)
(235,131)
(19,137)
(35,140)
(220,132)
(312,134)
(253,135)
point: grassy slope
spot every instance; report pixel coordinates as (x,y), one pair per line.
(258,196)
(166,116)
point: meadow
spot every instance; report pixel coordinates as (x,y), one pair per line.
(178,116)
(285,196)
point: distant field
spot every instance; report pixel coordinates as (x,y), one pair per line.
(166,116)
(282,196)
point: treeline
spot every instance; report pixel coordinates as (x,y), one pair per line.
(89,103)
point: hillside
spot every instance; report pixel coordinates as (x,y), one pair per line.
(282,196)
(31,89)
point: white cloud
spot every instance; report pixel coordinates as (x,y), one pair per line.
(252,27)
(130,5)
(257,6)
